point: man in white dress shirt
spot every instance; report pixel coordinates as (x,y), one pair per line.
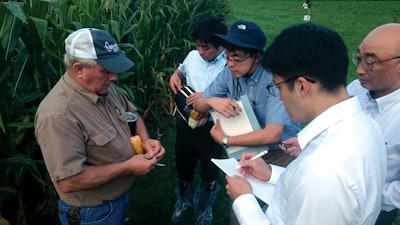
(378,89)
(338,176)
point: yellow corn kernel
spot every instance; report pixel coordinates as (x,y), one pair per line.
(136,143)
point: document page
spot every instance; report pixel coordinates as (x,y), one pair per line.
(262,190)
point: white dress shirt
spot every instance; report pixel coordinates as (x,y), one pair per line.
(337,178)
(200,73)
(385,111)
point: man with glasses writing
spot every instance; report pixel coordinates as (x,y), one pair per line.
(378,89)
(339,174)
(244,75)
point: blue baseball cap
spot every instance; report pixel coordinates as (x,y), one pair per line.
(90,43)
(245,34)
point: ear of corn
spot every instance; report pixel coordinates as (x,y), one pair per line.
(136,143)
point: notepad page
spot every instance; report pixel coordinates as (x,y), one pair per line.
(263,190)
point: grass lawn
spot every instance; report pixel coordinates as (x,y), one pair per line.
(152,196)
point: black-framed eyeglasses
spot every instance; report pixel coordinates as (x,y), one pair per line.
(235,60)
(368,64)
(273,89)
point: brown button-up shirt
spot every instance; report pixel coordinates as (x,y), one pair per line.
(75,129)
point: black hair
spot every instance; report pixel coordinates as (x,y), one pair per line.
(309,50)
(204,29)
(233,48)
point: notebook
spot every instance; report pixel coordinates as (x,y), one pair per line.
(262,190)
(244,123)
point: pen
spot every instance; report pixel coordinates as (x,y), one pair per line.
(256,157)
(284,145)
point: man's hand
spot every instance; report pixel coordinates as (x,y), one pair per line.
(258,168)
(175,82)
(237,186)
(291,146)
(153,149)
(216,132)
(227,107)
(193,97)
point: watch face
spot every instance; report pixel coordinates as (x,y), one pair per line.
(225,142)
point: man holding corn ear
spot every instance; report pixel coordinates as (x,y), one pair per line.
(84,135)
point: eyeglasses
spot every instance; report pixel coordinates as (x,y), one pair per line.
(273,89)
(368,65)
(235,60)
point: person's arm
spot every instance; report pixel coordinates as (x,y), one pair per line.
(248,211)
(291,146)
(175,81)
(391,190)
(227,107)
(270,134)
(245,205)
(94,176)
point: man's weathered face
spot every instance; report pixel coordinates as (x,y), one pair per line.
(96,79)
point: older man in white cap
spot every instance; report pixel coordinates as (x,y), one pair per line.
(84,135)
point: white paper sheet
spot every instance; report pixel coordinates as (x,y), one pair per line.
(262,190)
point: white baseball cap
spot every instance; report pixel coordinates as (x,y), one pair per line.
(90,43)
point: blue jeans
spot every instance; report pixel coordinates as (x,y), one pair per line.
(109,213)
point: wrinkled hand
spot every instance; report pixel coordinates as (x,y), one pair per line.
(140,165)
(291,146)
(237,186)
(217,133)
(227,107)
(153,149)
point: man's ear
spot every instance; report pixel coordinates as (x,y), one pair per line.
(77,69)
(303,85)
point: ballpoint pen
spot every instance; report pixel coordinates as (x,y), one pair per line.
(256,157)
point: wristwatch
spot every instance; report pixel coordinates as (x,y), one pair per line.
(225,142)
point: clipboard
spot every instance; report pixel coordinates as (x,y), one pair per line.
(244,123)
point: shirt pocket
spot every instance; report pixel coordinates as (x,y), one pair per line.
(104,137)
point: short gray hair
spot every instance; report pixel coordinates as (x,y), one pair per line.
(69,60)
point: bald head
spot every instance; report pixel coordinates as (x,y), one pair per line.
(379,54)
(384,41)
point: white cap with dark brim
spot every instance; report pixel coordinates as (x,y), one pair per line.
(90,43)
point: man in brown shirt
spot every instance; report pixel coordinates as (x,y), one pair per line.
(84,135)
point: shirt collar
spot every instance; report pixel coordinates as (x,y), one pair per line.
(217,59)
(92,97)
(253,79)
(386,101)
(329,117)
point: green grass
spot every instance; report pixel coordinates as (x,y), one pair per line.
(152,196)
(351,19)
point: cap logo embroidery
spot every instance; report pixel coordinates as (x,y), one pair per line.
(241,27)
(110,48)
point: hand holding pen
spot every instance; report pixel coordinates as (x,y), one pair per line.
(261,154)
(253,164)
